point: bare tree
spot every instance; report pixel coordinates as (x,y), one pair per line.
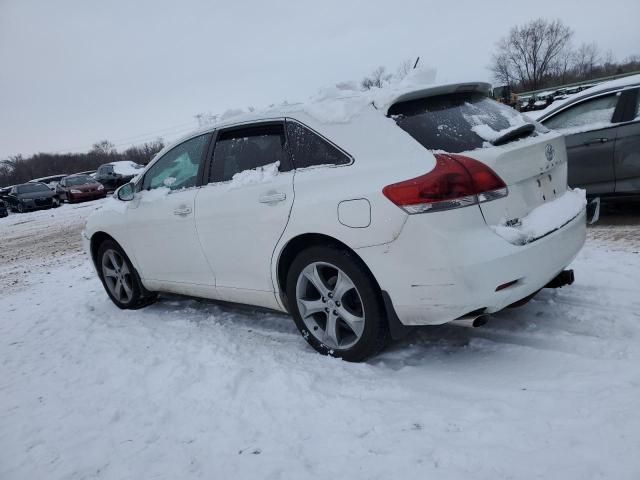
(103,147)
(587,56)
(531,52)
(376,79)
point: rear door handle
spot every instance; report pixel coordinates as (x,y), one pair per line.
(596,140)
(273,198)
(182,211)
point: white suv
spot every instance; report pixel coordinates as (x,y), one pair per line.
(438,205)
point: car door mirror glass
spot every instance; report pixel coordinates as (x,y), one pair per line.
(126,192)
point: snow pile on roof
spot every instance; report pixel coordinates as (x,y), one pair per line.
(343,101)
(126,168)
(544,219)
(257,175)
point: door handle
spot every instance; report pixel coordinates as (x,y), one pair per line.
(182,211)
(272,197)
(596,140)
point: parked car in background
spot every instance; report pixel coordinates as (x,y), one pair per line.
(114,174)
(31,196)
(602,130)
(435,206)
(79,187)
(3,209)
(4,191)
(50,181)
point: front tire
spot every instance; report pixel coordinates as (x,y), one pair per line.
(21,208)
(120,279)
(336,304)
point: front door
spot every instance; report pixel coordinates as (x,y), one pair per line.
(244,209)
(162,219)
(590,137)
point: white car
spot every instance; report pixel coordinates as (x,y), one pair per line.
(434,206)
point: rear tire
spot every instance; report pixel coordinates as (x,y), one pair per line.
(120,279)
(336,304)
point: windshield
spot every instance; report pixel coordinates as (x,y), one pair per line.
(79,180)
(33,187)
(457,122)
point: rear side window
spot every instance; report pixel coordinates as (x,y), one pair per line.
(308,149)
(457,122)
(595,113)
(248,148)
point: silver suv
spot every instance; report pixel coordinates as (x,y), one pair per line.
(602,129)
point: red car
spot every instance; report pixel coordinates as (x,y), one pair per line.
(77,188)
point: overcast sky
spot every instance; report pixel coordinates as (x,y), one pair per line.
(73,72)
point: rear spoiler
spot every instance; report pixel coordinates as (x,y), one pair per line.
(479,87)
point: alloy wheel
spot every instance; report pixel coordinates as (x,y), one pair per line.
(330,305)
(117,275)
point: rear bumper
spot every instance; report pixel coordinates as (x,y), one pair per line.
(447,265)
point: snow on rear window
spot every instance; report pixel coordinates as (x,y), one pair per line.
(457,122)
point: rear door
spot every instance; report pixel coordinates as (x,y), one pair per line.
(590,135)
(244,208)
(626,155)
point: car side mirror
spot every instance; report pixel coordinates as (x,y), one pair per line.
(126,192)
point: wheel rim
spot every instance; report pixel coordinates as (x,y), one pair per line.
(117,276)
(330,305)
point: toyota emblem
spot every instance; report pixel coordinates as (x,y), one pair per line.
(549,152)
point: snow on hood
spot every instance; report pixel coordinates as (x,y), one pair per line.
(544,219)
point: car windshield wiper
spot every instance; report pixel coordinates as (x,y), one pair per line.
(522,131)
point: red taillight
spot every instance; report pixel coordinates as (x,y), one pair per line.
(456,181)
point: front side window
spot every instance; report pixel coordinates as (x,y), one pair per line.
(178,168)
(308,149)
(594,113)
(248,148)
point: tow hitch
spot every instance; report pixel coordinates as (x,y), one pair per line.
(593,210)
(565,277)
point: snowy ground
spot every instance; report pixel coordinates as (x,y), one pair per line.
(190,389)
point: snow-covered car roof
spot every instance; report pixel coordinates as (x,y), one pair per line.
(339,104)
(126,167)
(630,81)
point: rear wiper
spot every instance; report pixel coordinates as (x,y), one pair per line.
(522,131)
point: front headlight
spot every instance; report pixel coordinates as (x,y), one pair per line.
(75,191)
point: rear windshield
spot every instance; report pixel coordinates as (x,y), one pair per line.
(458,122)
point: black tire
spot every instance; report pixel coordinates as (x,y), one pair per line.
(140,297)
(375,334)
(55,203)
(20,208)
